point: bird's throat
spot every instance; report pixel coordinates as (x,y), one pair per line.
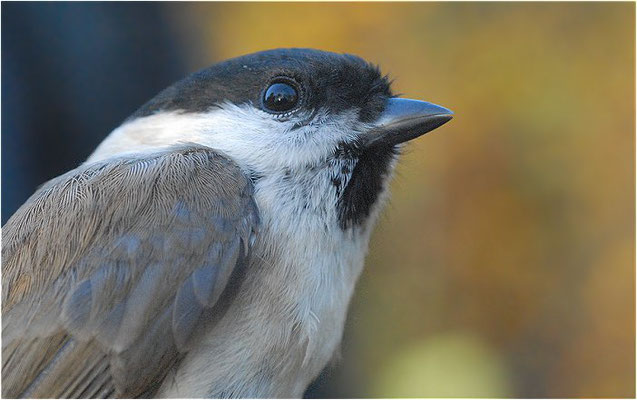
(368,181)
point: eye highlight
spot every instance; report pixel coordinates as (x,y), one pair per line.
(280,97)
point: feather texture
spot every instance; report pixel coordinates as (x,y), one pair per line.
(107,269)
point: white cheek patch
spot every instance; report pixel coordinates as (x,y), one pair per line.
(253,138)
(300,177)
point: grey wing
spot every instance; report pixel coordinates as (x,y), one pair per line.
(108,269)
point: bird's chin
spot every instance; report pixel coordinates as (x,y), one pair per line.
(366,184)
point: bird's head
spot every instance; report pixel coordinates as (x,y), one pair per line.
(317,126)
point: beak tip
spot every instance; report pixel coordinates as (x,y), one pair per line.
(446,112)
(439,120)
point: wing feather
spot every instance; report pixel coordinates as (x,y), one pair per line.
(108,269)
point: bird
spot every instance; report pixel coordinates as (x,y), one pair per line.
(210,245)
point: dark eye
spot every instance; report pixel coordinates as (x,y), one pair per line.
(280,96)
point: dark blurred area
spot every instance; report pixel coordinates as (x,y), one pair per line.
(71,72)
(504,263)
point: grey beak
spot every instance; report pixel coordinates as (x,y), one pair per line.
(406,119)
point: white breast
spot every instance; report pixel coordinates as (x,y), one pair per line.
(287,321)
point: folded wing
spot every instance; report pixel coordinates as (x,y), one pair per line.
(108,269)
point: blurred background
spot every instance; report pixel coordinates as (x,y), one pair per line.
(504,264)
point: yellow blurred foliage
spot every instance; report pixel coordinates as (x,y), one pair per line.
(447,365)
